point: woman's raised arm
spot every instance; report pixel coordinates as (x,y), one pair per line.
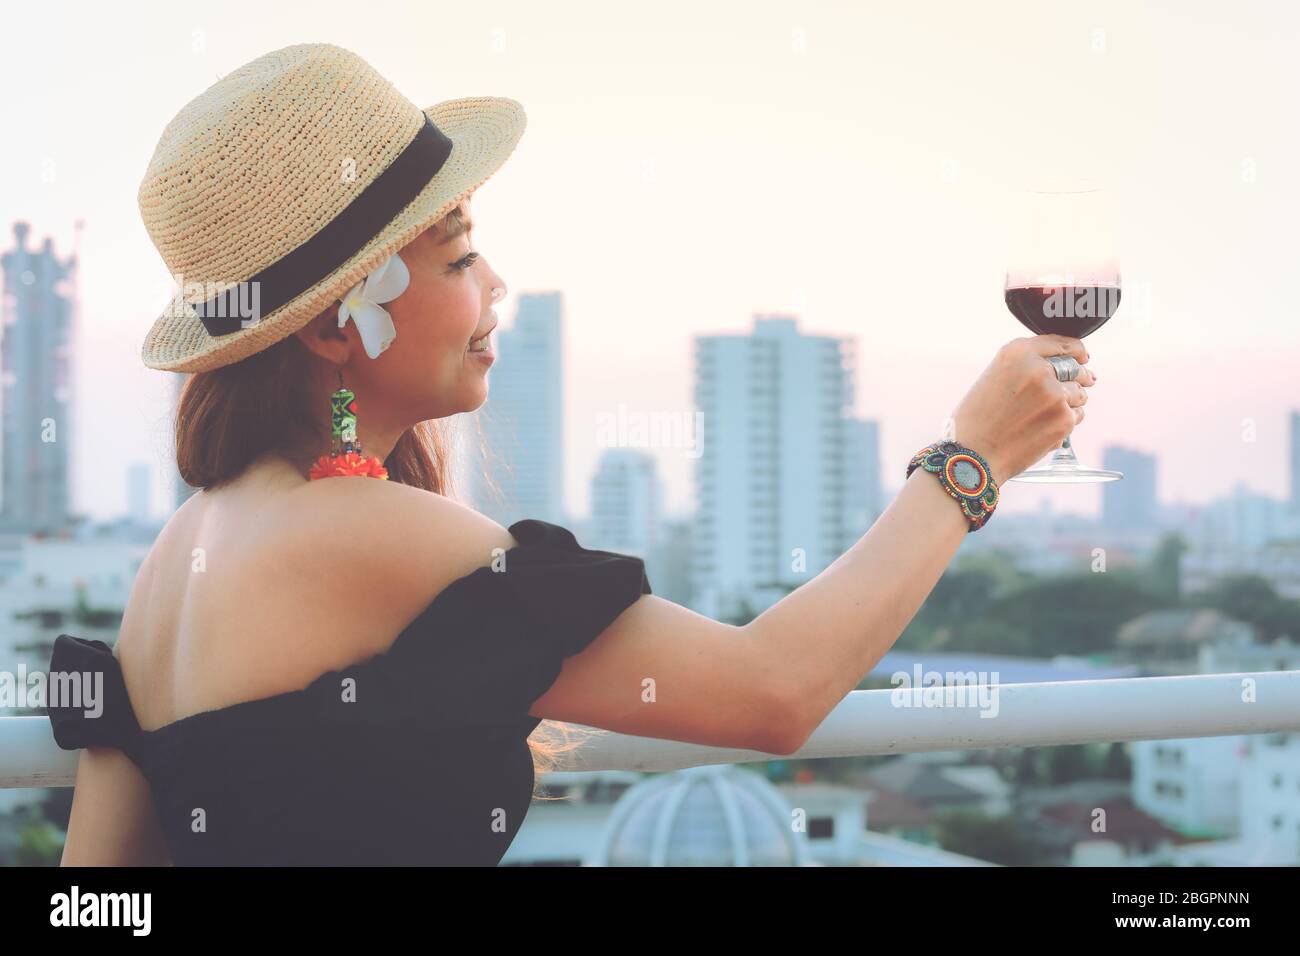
(827,635)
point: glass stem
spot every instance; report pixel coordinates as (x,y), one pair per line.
(1064,457)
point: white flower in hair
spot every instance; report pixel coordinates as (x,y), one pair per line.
(362,304)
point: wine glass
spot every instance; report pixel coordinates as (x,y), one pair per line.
(1063,278)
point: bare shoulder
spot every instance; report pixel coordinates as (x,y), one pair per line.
(392,548)
(395,539)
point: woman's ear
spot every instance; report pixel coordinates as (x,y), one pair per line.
(323,337)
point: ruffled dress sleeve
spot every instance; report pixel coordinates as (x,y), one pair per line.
(86,697)
(495,640)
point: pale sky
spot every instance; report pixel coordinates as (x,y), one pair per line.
(687,165)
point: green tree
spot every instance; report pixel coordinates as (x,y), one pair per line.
(1027,767)
(39,844)
(56,806)
(1069,614)
(999,566)
(960,594)
(1252,599)
(1067,763)
(991,633)
(1118,765)
(1164,570)
(995,839)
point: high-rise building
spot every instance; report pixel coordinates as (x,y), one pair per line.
(37,319)
(522,420)
(1235,528)
(626,502)
(770,481)
(863,497)
(1130,503)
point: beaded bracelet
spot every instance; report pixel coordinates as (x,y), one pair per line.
(965,475)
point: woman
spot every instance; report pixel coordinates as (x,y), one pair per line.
(356,671)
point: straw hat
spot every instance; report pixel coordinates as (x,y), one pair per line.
(288,181)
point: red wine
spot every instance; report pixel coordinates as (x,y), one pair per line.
(1073,310)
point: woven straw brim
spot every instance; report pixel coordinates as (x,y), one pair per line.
(484,131)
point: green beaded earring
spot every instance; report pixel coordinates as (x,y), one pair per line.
(345,457)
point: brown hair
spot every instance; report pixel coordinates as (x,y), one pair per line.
(229,417)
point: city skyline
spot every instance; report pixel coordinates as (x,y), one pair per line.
(522,418)
(851,166)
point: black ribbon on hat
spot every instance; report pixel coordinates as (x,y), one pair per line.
(338,240)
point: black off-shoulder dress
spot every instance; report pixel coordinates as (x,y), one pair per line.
(422,760)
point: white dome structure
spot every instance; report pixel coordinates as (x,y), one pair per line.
(702,816)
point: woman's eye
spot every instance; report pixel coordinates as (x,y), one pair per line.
(465,263)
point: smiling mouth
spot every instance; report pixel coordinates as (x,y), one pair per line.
(481,343)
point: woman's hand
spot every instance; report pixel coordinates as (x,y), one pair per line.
(1017,411)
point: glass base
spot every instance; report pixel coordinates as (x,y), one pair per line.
(1063,468)
(1077,474)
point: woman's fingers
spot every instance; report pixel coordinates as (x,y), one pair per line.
(1048,345)
(1075,394)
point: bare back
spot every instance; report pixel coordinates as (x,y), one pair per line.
(247,595)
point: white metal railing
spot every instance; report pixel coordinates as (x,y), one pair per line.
(878,722)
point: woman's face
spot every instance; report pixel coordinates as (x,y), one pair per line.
(427,372)
(448,303)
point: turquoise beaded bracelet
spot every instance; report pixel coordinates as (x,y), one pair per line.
(965,475)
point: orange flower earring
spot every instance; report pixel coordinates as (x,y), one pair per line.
(345,457)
